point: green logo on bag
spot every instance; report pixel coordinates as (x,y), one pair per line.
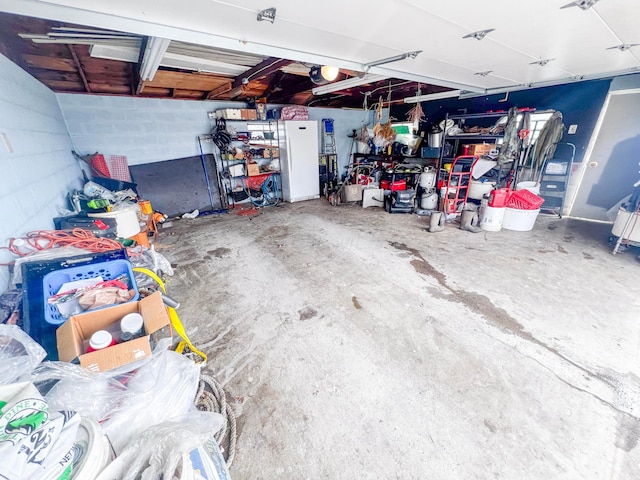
(23,419)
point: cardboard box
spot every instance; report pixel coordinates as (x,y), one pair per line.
(73,336)
(253,169)
(248,114)
(271,152)
(229,113)
(481,148)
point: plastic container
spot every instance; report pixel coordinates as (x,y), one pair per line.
(525,200)
(132,323)
(52,282)
(519,220)
(126,220)
(491,218)
(100,340)
(533,187)
(499,197)
(478,189)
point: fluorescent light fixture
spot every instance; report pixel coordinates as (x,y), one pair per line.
(480,34)
(348,83)
(433,96)
(153,53)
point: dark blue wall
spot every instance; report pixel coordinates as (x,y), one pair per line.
(580,104)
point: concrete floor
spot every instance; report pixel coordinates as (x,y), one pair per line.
(356,345)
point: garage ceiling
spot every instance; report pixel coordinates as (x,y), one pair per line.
(525,44)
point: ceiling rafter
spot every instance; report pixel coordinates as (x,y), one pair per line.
(264,68)
(76,60)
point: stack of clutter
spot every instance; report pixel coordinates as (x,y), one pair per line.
(60,421)
(512,210)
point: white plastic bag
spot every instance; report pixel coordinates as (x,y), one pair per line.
(19,354)
(157,451)
(164,387)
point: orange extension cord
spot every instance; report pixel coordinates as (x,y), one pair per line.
(46,239)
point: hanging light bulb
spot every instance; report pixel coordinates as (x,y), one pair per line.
(323,74)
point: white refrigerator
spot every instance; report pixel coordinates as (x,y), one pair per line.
(299,159)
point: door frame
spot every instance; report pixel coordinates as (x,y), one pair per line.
(591,146)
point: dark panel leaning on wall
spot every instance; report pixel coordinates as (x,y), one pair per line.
(580,104)
(177,186)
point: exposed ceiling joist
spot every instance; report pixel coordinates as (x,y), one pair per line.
(74,55)
(264,68)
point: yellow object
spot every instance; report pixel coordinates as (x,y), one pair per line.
(447,166)
(175,319)
(145,207)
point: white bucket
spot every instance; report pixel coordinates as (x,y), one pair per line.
(477,190)
(126,220)
(519,220)
(533,187)
(491,218)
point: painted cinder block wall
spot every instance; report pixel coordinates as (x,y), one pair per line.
(40,169)
(148,130)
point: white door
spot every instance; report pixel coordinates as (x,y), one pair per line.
(612,167)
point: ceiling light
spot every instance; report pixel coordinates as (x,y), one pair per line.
(583,4)
(395,58)
(624,46)
(480,34)
(484,74)
(268,14)
(349,83)
(323,74)
(433,96)
(542,63)
(153,53)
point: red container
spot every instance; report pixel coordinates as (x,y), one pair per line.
(499,197)
(384,184)
(100,340)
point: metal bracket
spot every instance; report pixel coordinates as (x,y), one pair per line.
(268,14)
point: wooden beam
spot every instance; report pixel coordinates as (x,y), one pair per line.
(49,63)
(291,90)
(266,67)
(224,88)
(74,55)
(186,81)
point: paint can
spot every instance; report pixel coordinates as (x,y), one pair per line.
(145,207)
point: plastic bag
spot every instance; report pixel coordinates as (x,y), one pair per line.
(143,257)
(19,354)
(157,451)
(164,387)
(65,385)
(35,442)
(93,190)
(50,254)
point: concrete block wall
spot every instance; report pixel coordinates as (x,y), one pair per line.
(149,130)
(145,130)
(40,169)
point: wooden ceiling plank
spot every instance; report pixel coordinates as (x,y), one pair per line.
(49,63)
(216,92)
(74,55)
(186,81)
(264,68)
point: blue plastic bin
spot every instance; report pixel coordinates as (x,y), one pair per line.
(107,270)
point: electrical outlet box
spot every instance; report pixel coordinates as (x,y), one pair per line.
(572,129)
